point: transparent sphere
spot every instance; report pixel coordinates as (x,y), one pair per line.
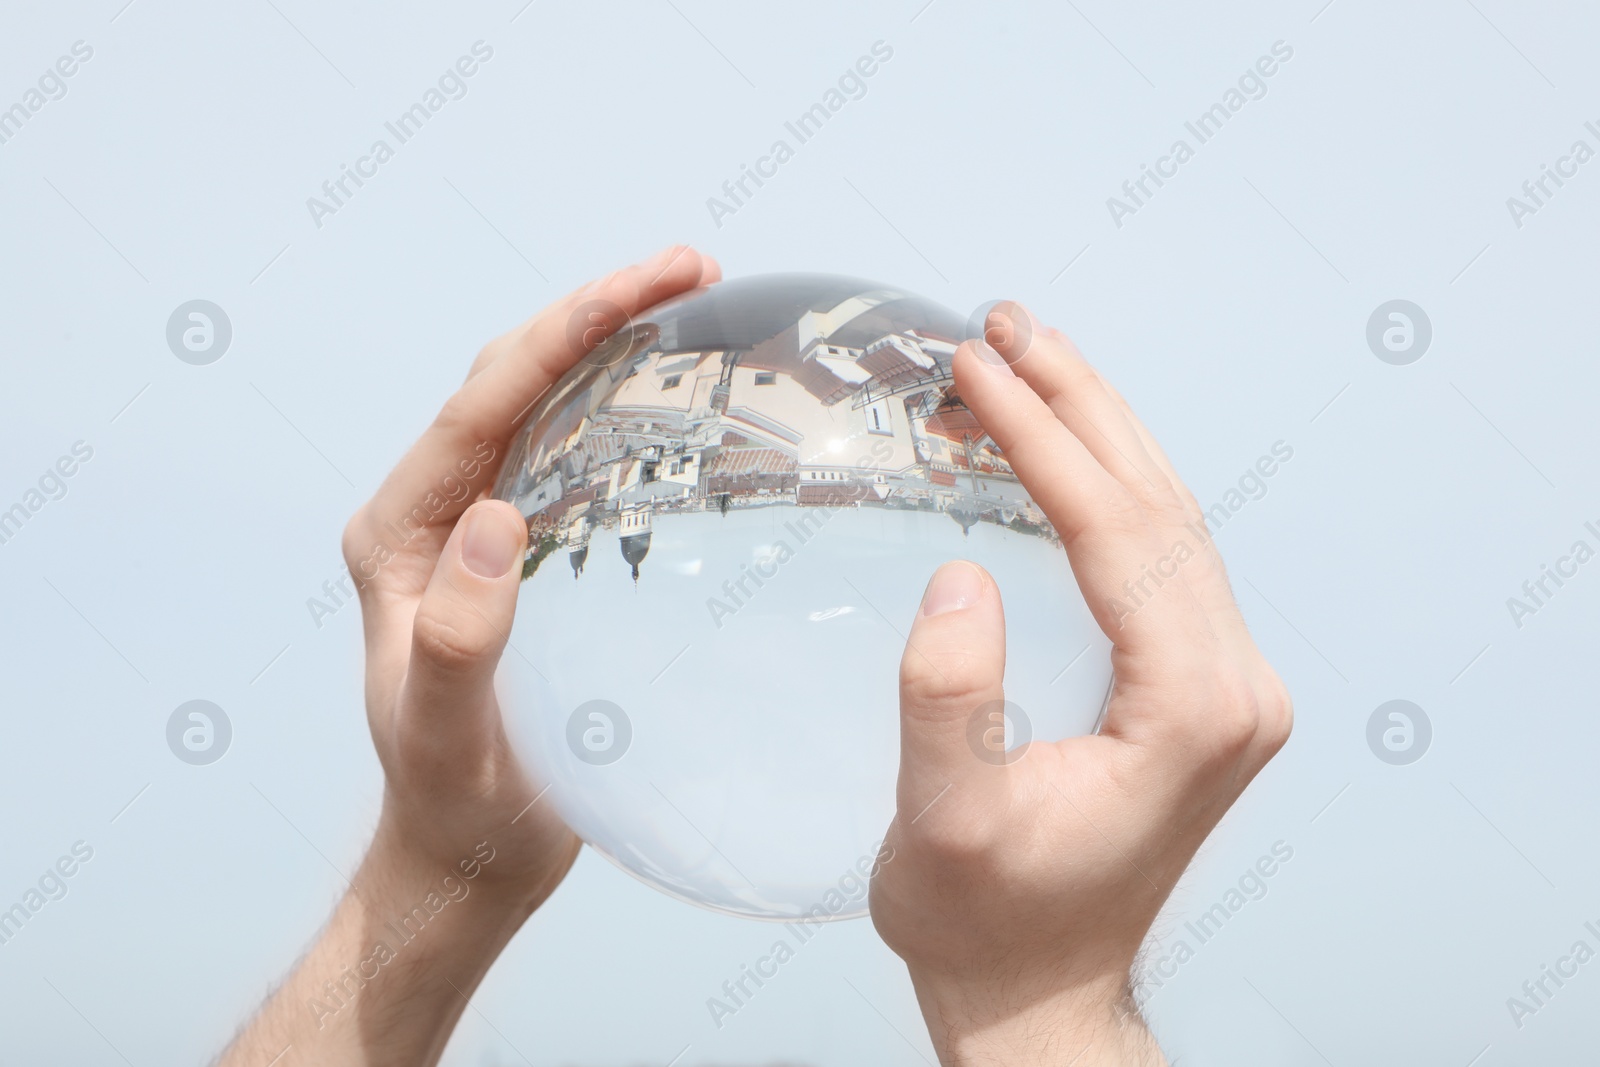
(734,504)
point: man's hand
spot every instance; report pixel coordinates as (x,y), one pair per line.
(462,854)
(1022,886)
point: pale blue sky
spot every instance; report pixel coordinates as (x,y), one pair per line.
(1231,308)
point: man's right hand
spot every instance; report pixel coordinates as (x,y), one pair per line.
(1021,893)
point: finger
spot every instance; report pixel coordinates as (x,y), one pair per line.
(663,266)
(1109,538)
(468,439)
(1210,578)
(1157,454)
(1052,365)
(544,349)
(951,671)
(460,628)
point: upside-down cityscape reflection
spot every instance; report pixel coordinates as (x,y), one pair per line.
(807,424)
(846,404)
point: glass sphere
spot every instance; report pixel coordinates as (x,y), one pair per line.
(734,504)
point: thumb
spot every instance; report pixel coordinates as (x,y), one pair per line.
(461,627)
(951,692)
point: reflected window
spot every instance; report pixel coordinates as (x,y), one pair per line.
(877,414)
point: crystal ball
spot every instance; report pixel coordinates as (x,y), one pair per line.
(734,503)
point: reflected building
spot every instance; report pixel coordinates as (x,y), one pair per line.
(635,539)
(804,391)
(578,544)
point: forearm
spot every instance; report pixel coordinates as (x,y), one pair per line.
(1001,1027)
(389,977)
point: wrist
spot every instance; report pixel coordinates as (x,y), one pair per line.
(993,1020)
(411,940)
(388,978)
(409,858)
(511,869)
(460,895)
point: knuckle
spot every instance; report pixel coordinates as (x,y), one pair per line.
(1277,713)
(1077,377)
(455,413)
(486,355)
(441,642)
(1124,512)
(365,551)
(353,543)
(1187,501)
(1118,515)
(1168,507)
(945,679)
(1232,713)
(959,839)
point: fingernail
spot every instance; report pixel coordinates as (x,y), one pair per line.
(994,359)
(954,586)
(490,546)
(1018,315)
(1011,326)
